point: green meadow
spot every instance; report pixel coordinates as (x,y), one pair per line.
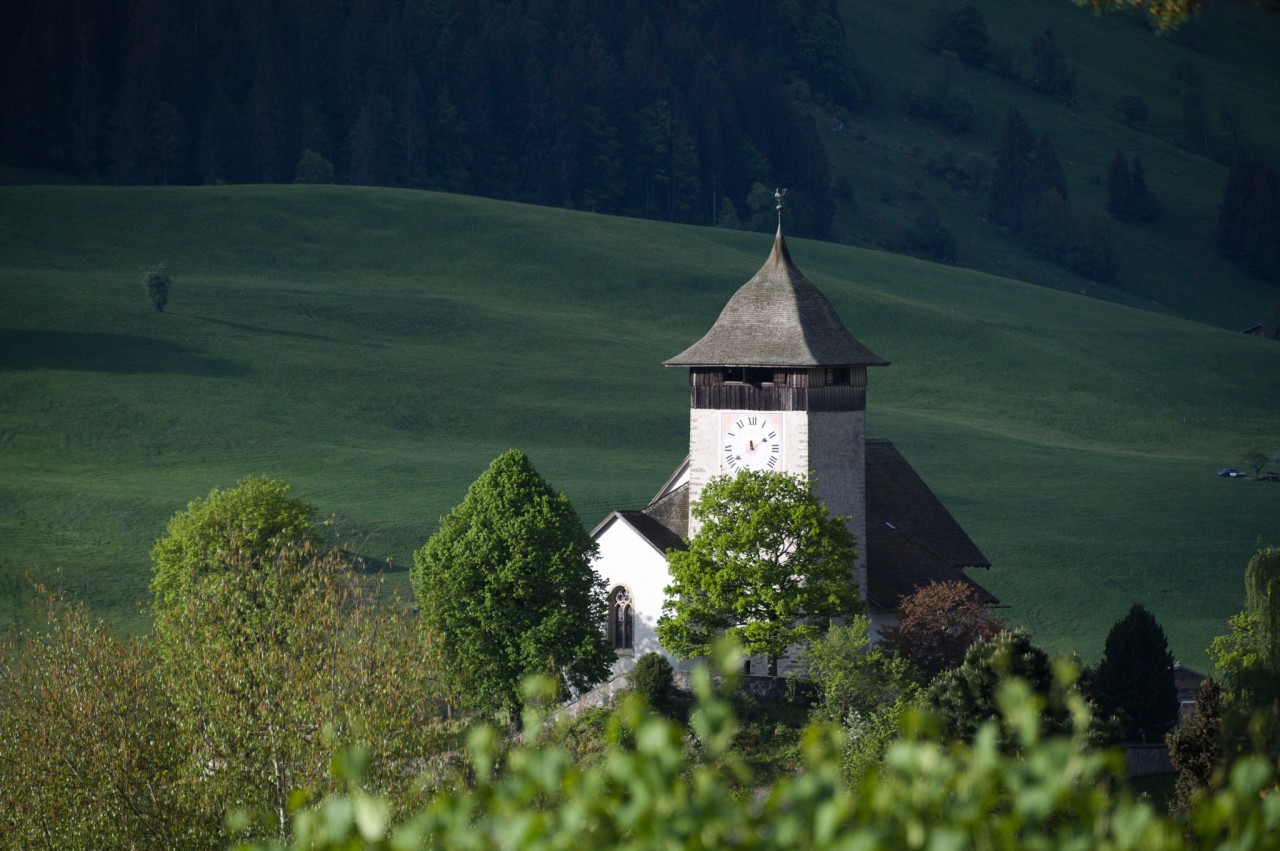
(377,348)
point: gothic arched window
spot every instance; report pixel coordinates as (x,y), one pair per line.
(622,619)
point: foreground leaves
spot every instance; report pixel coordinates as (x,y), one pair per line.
(649,793)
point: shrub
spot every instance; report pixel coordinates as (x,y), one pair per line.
(652,678)
(940,98)
(928,237)
(652,794)
(1133,109)
(1078,238)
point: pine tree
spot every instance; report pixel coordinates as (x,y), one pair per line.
(1249,218)
(1011,184)
(1135,676)
(1051,76)
(1047,173)
(1119,186)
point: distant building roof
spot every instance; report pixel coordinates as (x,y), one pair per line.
(653,531)
(912,540)
(778,318)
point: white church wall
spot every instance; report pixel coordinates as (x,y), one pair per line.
(627,559)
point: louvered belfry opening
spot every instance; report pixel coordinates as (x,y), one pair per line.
(763,389)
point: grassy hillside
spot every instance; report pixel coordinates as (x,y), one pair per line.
(1169,266)
(377,348)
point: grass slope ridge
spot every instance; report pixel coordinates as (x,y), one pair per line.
(377,348)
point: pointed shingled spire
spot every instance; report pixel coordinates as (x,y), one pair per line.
(779,319)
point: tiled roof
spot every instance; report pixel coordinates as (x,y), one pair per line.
(912,540)
(658,535)
(780,319)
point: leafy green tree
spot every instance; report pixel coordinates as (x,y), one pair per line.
(88,754)
(648,790)
(769,566)
(966,698)
(1247,657)
(1135,676)
(313,168)
(156,280)
(938,624)
(252,521)
(272,665)
(507,582)
(865,690)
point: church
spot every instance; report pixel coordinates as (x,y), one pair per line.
(779,383)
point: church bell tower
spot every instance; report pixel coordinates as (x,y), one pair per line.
(779,383)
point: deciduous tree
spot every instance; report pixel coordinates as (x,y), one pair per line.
(769,566)
(939,623)
(252,521)
(156,280)
(1195,746)
(507,582)
(965,698)
(1247,657)
(88,753)
(273,664)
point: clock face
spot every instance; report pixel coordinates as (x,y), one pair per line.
(750,441)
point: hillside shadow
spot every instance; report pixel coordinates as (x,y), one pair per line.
(253,329)
(114,353)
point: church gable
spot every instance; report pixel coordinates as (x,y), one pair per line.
(633,564)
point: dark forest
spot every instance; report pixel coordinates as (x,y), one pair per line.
(667,109)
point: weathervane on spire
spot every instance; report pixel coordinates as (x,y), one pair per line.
(777,196)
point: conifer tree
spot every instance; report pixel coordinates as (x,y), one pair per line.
(1249,218)
(1047,173)
(1119,186)
(1135,676)
(1011,184)
(1051,76)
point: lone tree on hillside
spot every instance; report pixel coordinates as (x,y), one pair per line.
(939,623)
(1135,676)
(508,582)
(156,279)
(769,566)
(1257,459)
